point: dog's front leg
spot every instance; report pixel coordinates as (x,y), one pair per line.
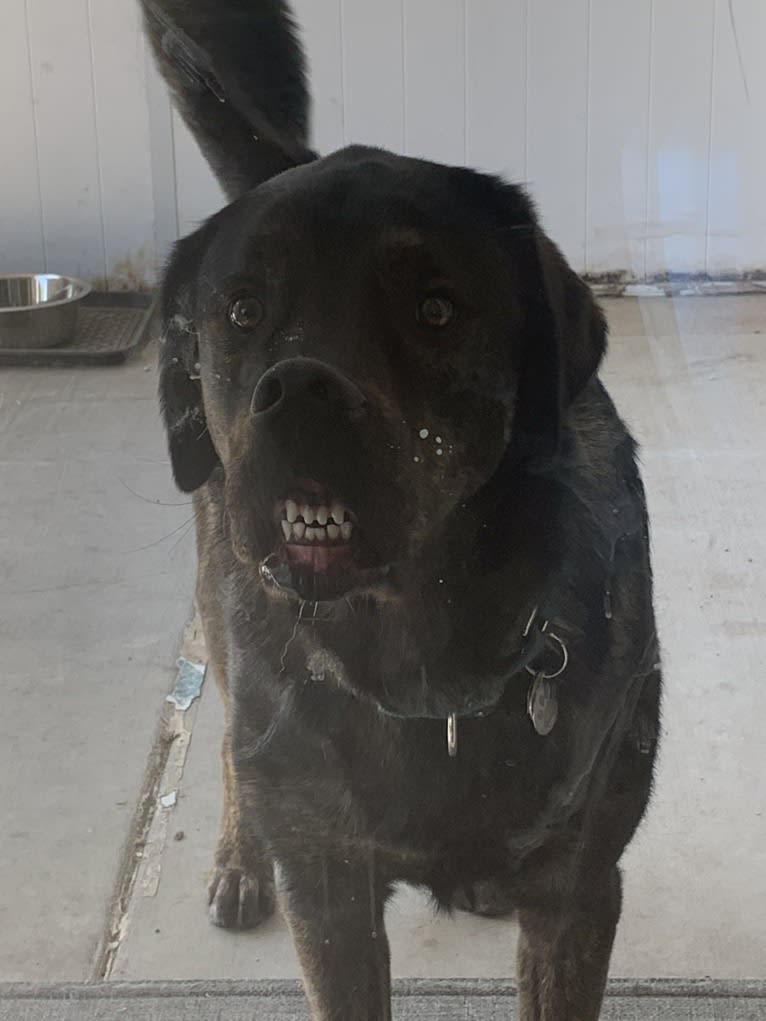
(563,956)
(241,888)
(334,907)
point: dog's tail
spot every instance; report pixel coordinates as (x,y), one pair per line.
(237,73)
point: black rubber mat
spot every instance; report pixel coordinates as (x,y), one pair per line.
(111,326)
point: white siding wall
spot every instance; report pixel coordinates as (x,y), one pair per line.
(638,125)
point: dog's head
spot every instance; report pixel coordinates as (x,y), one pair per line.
(358,345)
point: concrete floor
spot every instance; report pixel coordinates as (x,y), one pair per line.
(96,568)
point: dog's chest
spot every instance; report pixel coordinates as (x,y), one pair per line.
(397,781)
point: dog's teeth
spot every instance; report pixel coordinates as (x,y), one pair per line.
(301,522)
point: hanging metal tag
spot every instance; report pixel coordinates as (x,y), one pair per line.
(543,704)
(452,735)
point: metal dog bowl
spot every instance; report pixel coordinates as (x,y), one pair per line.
(38,309)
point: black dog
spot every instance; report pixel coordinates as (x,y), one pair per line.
(424,557)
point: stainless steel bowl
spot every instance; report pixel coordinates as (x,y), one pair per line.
(38,309)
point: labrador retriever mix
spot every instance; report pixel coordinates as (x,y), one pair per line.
(423,546)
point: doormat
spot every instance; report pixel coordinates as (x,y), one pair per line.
(413,1000)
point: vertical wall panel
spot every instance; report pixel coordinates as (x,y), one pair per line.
(21,227)
(618,95)
(736,229)
(62,82)
(434,68)
(679,135)
(162,154)
(495,82)
(320,28)
(373,72)
(123,140)
(557,66)
(638,124)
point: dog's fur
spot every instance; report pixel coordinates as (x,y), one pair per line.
(490,475)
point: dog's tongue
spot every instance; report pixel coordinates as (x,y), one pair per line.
(319,557)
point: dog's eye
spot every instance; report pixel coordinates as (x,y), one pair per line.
(435,311)
(245,312)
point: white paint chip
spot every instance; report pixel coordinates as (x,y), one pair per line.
(423,434)
(188,683)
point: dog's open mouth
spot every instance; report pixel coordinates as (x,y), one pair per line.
(317,555)
(317,537)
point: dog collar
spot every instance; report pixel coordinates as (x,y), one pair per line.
(542,703)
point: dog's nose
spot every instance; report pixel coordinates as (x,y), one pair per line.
(298,379)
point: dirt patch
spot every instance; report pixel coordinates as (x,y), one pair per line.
(136,272)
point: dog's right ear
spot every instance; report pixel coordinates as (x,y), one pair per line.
(192,454)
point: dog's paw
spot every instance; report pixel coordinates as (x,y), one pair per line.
(486,897)
(240,899)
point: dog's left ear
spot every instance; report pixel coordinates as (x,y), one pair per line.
(560,338)
(192,454)
(564,341)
